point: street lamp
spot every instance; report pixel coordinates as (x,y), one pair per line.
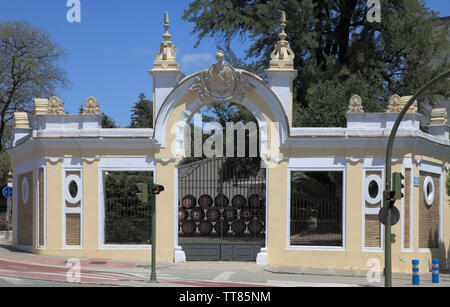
(387,202)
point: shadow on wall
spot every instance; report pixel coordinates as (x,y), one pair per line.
(442,253)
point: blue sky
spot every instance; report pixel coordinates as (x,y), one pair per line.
(111,49)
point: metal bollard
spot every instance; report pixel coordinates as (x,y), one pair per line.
(435,271)
(415,273)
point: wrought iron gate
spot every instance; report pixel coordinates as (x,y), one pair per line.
(222,207)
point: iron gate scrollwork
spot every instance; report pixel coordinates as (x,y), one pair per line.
(222,209)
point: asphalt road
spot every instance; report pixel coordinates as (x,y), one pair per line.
(26,270)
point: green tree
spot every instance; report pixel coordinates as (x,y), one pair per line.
(338,52)
(28,69)
(108,122)
(142,116)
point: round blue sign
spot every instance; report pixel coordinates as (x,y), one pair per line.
(7,192)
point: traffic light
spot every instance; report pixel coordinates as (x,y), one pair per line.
(143,192)
(157,189)
(397,179)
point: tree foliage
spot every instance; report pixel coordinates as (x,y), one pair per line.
(338,51)
(28,69)
(108,122)
(142,116)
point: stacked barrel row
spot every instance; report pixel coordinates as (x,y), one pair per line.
(208,215)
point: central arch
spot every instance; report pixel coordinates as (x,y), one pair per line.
(266,100)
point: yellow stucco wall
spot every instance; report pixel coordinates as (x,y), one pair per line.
(351,256)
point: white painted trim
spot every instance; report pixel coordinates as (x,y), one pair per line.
(429,198)
(430,167)
(332,167)
(408,164)
(179,255)
(371,164)
(41,164)
(68,180)
(125,247)
(379,197)
(119,164)
(317,164)
(263,255)
(72,165)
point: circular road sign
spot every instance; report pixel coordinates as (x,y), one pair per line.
(395,216)
(7,192)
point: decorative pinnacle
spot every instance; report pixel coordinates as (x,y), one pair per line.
(167,36)
(282,57)
(166,57)
(283,34)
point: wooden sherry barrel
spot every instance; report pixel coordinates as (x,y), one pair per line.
(205,227)
(254,201)
(182,214)
(188,202)
(213,214)
(221,227)
(205,201)
(246,214)
(188,227)
(260,214)
(238,227)
(197,214)
(255,227)
(239,201)
(229,214)
(221,201)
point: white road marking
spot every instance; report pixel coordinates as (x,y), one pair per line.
(225,276)
(284,283)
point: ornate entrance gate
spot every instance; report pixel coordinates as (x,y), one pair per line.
(222,207)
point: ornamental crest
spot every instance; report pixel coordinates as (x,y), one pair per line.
(92,107)
(56,106)
(355,105)
(221,83)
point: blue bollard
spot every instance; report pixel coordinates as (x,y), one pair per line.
(415,273)
(435,271)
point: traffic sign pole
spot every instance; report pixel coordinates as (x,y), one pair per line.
(153,276)
(8,209)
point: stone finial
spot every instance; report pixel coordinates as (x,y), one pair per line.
(397,103)
(166,58)
(21,120)
(439,117)
(40,106)
(355,105)
(56,106)
(92,107)
(282,57)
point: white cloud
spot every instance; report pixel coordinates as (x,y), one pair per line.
(197,59)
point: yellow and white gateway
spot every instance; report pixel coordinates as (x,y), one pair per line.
(314,202)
